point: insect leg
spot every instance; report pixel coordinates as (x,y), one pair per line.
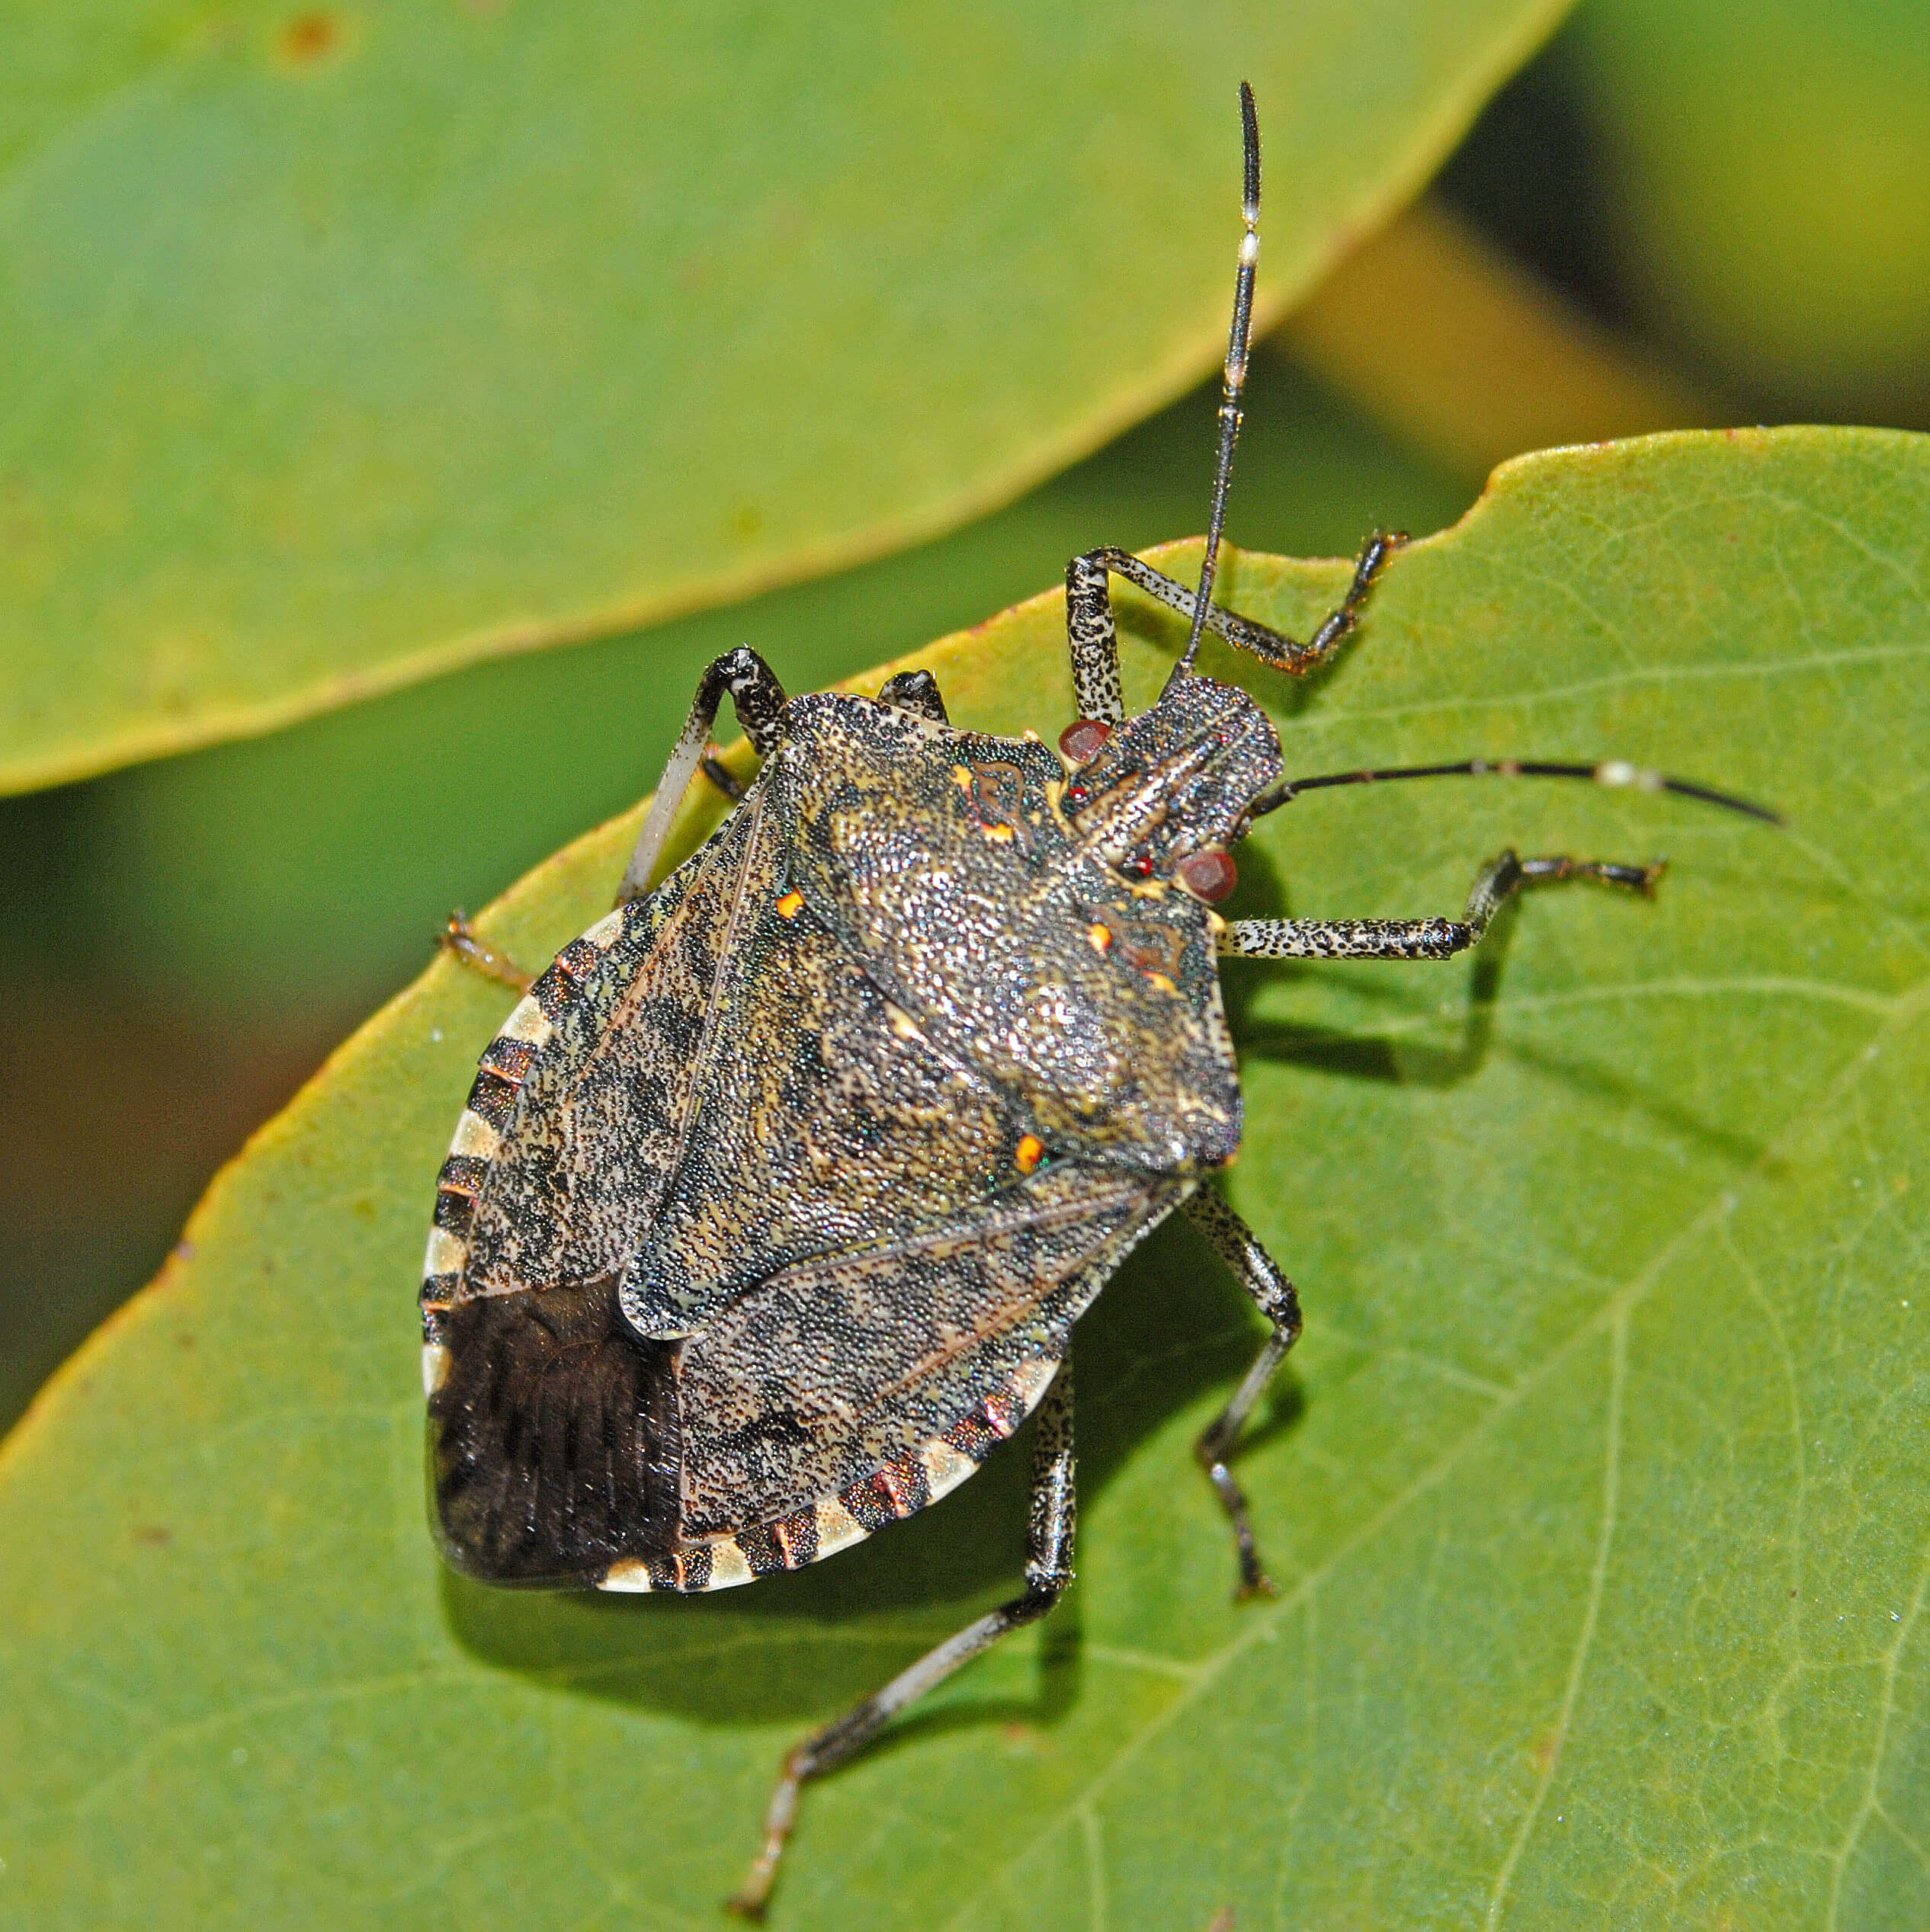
(458,936)
(721,775)
(915,690)
(1500,879)
(1091,642)
(1048,1570)
(1094,646)
(759,700)
(1260,1275)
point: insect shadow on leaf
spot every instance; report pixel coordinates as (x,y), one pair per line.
(778,1194)
(1428,1046)
(816,1638)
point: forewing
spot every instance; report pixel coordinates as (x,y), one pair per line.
(838,1381)
(824,1120)
(614,1045)
(551,1427)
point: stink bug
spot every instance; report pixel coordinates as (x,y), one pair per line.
(777,1198)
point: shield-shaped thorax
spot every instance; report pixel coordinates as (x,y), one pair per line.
(943,860)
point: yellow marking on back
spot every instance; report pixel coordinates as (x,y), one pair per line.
(1099,937)
(790,905)
(435,1366)
(1030,1380)
(627,1573)
(1000,834)
(945,1468)
(1031,1152)
(837,1528)
(607,930)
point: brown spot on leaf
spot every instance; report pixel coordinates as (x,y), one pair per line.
(155,1535)
(312,37)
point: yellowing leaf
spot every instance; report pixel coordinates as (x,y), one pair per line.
(1600,1488)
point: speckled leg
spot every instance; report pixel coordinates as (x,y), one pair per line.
(759,699)
(1093,641)
(916,691)
(1500,879)
(1260,1275)
(1048,1570)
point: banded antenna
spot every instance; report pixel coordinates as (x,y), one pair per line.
(1615,772)
(1237,344)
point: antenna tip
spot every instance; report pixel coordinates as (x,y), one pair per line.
(1250,132)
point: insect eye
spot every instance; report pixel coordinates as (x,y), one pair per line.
(1209,875)
(1081,740)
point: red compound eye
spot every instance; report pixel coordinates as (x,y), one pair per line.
(1209,875)
(1081,739)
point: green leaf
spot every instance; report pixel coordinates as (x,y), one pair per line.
(359,828)
(1599,1488)
(352,344)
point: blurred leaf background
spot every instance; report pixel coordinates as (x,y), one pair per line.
(1672,215)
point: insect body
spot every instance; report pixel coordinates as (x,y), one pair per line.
(776,1199)
(765,1221)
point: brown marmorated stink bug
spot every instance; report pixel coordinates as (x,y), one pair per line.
(776,1199)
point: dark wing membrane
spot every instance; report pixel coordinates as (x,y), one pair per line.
(553,1440)
(818,1377)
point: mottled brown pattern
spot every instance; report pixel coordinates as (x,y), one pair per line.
(595,1131)
(832,1138)
(984,941)
(844,1365)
